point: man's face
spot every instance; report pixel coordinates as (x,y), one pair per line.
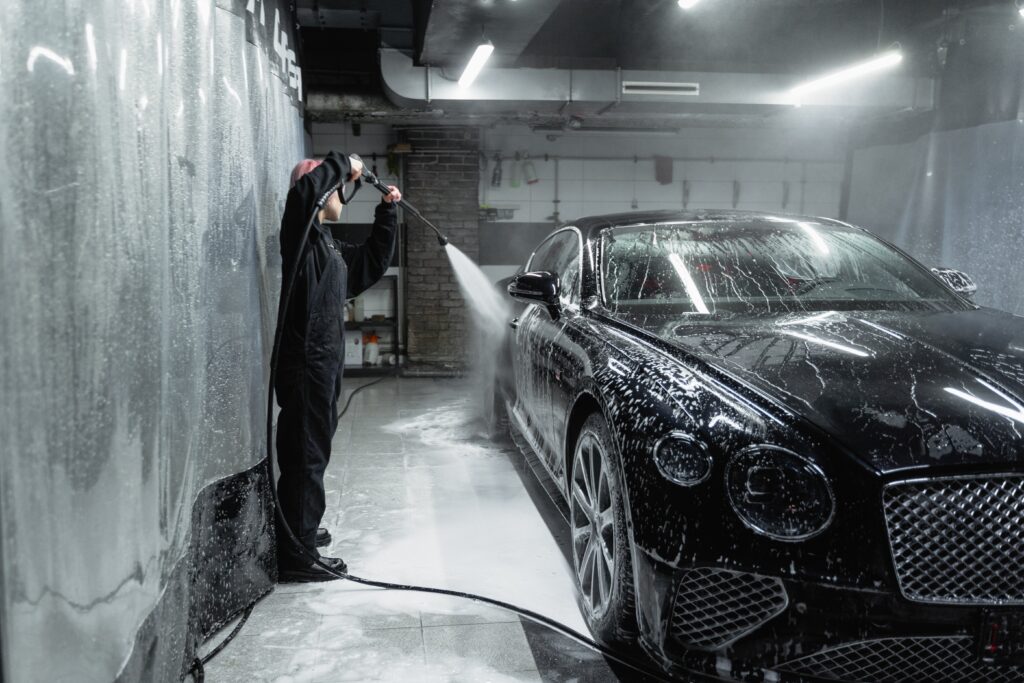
(332,209)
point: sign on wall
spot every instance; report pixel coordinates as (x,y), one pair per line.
(270,27)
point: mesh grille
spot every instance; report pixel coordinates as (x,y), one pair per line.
(958,540)
(903,660)
(715,607)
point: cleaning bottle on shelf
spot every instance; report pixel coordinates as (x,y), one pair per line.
(371,349)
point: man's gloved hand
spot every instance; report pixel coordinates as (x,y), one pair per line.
(357,168)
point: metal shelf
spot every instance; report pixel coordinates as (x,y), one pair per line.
(367,324)
(370,370)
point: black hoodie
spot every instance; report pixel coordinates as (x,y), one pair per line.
(331,272)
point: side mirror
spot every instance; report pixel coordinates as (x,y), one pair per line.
(540,287)
(957,280)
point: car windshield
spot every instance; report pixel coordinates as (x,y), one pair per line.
(762,266)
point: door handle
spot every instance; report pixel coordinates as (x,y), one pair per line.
(514,323)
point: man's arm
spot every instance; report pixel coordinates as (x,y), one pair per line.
(309,189)
(369,261)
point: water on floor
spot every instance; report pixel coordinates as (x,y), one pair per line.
(416,494)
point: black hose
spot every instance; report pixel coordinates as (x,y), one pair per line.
(385,190)
(198,664)
(356,391)
(548,622)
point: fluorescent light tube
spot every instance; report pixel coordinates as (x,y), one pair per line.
(689,283)
(476,63)
(688,4)
(884,61)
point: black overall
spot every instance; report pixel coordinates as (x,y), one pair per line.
(312,351)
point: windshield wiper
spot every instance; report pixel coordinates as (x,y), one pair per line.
(808,285)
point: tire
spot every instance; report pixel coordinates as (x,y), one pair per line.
(610,614)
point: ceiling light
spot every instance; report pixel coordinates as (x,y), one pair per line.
(476,63)
(688,4)
(830,344)
(884,61)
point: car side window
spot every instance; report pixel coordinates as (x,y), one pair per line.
(560,254)
(542,257)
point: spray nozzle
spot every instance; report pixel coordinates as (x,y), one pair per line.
(371,179)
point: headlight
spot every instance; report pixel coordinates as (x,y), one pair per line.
(682,459)
(779,493)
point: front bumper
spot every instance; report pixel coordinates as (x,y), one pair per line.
(747,626)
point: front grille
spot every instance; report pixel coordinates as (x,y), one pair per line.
(903,660)
(715,607)
(958,540)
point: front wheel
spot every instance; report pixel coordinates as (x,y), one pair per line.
(600,542)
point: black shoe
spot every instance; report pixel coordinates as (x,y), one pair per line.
(323,537)
(311,572)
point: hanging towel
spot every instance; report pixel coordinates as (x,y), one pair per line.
(663,169)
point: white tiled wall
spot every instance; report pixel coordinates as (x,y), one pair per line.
(378,300)
(588,187)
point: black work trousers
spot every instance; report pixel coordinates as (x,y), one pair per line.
(305,428)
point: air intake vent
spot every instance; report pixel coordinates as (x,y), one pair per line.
(660,88)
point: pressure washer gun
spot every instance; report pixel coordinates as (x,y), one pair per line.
(372,179)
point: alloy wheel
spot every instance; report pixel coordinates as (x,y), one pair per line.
(592,520)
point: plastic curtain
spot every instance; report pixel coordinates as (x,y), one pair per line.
(146,149)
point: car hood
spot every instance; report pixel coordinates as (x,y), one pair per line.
(900,390)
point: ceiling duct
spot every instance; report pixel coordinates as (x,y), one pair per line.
(660,88)
(628,95)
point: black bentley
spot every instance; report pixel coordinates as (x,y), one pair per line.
(788,450)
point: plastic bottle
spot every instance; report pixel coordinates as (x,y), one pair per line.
(371,350)
(529,172)
(514,182)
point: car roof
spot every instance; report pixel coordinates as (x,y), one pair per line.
(590,225)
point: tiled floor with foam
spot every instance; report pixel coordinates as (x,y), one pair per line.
(417,494)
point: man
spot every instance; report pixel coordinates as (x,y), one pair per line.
(311,356)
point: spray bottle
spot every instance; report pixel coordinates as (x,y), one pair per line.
(496,176)
(529,172)
(371,349)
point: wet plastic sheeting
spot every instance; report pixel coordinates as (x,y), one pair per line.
(951,199)
(146,148)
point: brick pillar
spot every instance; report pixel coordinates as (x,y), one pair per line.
(442,179)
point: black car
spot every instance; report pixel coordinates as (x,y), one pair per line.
(788,450)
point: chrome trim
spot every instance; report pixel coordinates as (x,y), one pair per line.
(690,439)
(785,539)
(967,601)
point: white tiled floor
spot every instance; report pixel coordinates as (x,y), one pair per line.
(415,495)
